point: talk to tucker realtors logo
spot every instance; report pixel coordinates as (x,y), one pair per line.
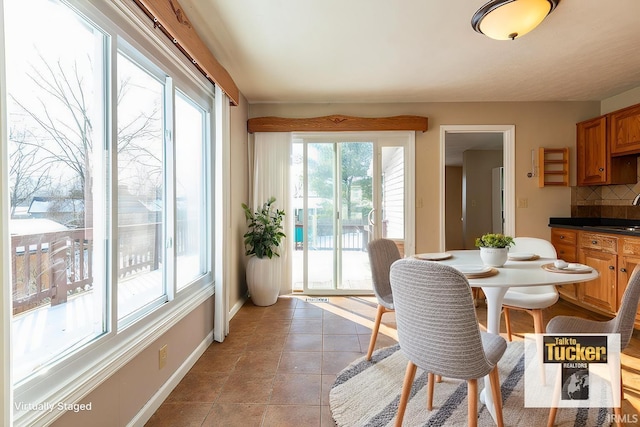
(575,353)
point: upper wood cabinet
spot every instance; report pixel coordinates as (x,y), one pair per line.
(595,165)
(593,162)
(624,131)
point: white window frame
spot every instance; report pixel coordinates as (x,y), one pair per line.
(79,373)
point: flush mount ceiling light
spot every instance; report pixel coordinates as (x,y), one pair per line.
(508,19)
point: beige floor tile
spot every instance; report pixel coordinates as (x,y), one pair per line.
(303,342)
(184,414)
(235,414)
(296,389)
(242,389)
(300,362)
(198,387)
(292,416)
(341,343)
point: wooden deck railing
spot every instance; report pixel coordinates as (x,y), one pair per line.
(49,267)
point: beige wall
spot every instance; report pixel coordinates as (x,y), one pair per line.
(117,401)
(239,194)
(625,99)
(538,124)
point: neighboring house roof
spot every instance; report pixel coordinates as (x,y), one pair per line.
(48,204)
(21,227)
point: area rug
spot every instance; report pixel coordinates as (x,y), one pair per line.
(366,393)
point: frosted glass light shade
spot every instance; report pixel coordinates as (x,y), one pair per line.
(508,19)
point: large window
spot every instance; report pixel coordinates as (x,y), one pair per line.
(110,186)
(56,106)
(141,189)
(190,190)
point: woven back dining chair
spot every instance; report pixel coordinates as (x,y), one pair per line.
(382,253)
(621,324)
(438,332)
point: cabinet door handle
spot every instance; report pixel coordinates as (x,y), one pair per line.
(601,169)
(561,237)
(611,267)
(594,242)
(624,270)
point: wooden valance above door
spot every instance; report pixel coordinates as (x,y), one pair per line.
(336,123)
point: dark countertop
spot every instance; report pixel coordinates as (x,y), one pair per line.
(629,227)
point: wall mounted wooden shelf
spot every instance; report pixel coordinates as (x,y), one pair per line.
(553,164)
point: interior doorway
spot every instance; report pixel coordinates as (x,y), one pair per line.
(474,160)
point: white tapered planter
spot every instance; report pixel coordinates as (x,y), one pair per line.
(494,257)
(263,280)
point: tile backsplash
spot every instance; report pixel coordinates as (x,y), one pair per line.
(606,201)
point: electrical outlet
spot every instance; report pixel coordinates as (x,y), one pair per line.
(162,357)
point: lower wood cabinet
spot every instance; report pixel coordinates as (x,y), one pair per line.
(614,256)
(628,258)
(565,240)
(600,293)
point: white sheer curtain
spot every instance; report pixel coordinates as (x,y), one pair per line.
(222,215)
(271,170)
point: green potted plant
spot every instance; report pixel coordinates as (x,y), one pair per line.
(261,241)
(494,248)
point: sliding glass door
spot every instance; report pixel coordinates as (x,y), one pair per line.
(348,190)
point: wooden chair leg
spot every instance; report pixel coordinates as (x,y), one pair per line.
(409,375)
(494,378)
(472,397)
(507,321)
(430,381)
(374,332)
(618,411)
(552,417)
(553,411)
(538,322)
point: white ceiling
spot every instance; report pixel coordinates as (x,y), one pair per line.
(417,51)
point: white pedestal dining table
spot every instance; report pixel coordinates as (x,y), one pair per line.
(512,274)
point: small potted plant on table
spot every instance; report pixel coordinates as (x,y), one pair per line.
(494,248)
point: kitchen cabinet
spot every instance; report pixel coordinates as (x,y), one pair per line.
(592,154)
(628,258)
(600,293)
(595,165)
(599,251)
(564,240)
(624,131)
(613,255)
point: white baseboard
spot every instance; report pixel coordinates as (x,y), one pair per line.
(163,392)
(238,305)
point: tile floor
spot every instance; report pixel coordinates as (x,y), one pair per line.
(278,363)
(276,366)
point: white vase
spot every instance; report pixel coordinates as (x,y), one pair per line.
(263,281)
(494,257)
